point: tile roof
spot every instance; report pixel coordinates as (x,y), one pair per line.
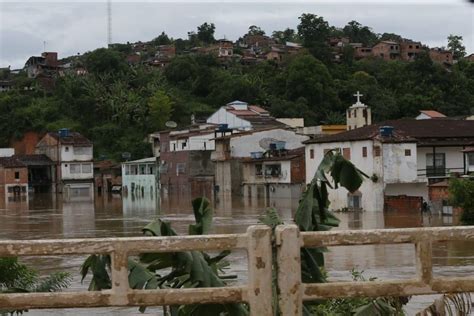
(424,132)
(432,113)
(74,138)
(34,160)
(11,162)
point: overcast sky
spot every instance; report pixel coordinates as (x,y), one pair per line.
(76,27)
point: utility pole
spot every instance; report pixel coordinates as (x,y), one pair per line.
(109,22)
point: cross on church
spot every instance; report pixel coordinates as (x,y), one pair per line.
(358,95)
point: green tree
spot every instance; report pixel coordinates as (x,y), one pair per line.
(456,46)
(358,33)
(288,35)
(162,39)
(391,37)
(255,30)
(205,33)
(309,78)
(314,32)
(461,194)
(160,107)
(105,60)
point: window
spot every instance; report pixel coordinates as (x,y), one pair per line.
(346,153)
(407,152)
(258,169)
(66,149)
(355,113)
(410,46)
(75,168)
(435,165)
(354,200)
(273,170)
(470,159)
(86,168)
(183,145)
(127,169)
(82,150)
(142,169)
(17,175)
(174,147)
(376,151)
(364,151)
(349,114)
(151,169)
(417,46)
(180,168)
(311,153)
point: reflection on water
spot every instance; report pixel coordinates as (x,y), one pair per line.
(50,216)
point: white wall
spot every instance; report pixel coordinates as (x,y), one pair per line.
(67,175)
(68,153)
(409,189)
(145,178)
(396,166)
(242,146)
(7,152)
(222,116)
(199,142)
(454,158)
(371,192)
(249,173)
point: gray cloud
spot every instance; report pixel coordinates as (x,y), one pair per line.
(74,27)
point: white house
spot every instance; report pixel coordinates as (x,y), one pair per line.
(401,157)
(72,154)
(140,177)
(241,115)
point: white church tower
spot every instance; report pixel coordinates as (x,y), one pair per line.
(358,114)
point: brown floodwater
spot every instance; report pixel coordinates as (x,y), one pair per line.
(48,216)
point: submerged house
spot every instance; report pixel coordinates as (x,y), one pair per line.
(13,179)
(72,155)
(186,168)
(401,157)
(240,158)
(277,173)
(140,177)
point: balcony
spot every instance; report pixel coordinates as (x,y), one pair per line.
(431,172)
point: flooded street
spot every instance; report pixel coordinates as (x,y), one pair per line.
(47,216)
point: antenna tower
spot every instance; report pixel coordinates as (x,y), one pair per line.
(109,22)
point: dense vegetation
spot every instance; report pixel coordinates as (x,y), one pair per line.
(117,105)
(461,193)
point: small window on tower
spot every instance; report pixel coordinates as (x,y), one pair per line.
(364,151)
(377,151)
(17,175)
(407,152)
(311,154)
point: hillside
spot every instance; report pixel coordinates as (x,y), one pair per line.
(117,101)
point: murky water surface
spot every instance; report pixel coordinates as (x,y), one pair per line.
(46,216)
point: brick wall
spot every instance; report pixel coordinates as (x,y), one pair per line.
(403,203)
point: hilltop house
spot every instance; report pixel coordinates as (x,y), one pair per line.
(401,157)
(387,50)
(72,155)
(441,56)
(240,115)
(429,114)
(237,158)
(45,65)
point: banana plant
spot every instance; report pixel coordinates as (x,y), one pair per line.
(187,269)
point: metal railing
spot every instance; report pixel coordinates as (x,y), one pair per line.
(258,291)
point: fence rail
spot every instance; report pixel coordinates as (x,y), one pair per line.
(424,283)
(257,293)
(257,241)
